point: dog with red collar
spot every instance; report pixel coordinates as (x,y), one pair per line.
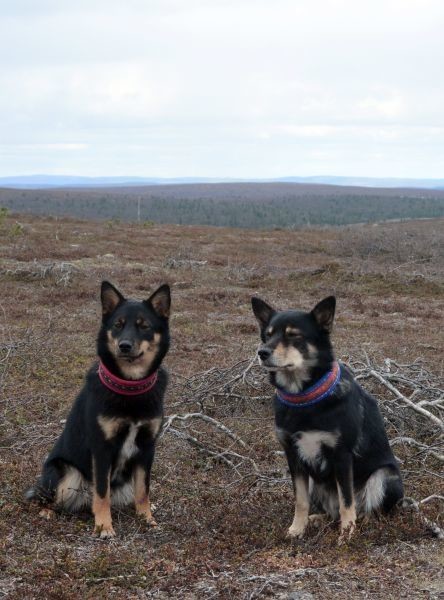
(104,455)
(331,429)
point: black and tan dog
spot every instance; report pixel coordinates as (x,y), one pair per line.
(105,452)
(330,428)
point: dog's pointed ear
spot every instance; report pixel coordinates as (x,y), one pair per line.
(111,298)
(262,311)
(324,313)
(160,301)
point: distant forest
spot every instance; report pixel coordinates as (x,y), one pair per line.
(247,205)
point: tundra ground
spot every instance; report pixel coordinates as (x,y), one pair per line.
(220,535)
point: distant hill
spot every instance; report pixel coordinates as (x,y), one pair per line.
(376,182)
(63,181)
(248,205)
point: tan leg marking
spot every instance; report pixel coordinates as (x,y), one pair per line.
(348,518)
(154,426)
(302,505)
(141,497)
(101,508)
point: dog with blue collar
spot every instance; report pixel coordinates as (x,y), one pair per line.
(331,429)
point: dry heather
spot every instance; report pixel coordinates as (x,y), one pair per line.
(220,484)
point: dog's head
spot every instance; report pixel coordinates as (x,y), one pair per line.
(134,336)
(295,342)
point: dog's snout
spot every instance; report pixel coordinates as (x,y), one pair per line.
(125,346)
(264,353)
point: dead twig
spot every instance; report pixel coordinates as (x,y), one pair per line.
(416,407)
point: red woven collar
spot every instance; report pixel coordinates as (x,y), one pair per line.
(314,394)
(124,386)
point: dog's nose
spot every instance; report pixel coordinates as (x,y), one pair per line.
(264,353)
(125,346)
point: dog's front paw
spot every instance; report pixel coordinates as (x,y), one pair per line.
(148,518)
(152,522)
(347,530)
(296,530)
(145,513)
(104,532)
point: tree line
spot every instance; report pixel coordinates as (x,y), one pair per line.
(286,208)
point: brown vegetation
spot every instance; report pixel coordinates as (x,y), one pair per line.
(221,529)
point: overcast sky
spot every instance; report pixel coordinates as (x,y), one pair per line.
(221,88)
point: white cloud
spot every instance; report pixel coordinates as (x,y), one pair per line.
(245,88)
(383,107)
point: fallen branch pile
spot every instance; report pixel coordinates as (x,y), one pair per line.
(211,409)
(211,399)
(412,401)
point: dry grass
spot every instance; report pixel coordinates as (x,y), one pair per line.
(221,535)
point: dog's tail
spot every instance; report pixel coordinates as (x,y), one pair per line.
(37,493)
(45,487)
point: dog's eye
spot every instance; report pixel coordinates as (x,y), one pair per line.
(296,336)
(118,325)
(144,326)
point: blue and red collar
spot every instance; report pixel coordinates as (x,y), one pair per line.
(315,393)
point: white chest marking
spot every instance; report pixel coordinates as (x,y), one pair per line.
(129,447)
(309,444)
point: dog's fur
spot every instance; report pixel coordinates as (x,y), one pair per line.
(105,452)
(337,450)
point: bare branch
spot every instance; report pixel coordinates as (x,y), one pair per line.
(412,405)
(208,419)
